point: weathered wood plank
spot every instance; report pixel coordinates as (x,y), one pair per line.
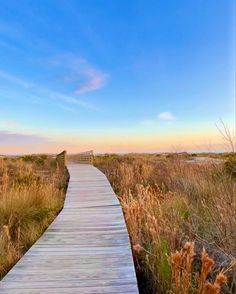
(85,250)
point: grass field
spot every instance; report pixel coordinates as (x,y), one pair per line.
(31,194)
(174,206)
(169,200)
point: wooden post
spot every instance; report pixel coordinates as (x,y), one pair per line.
(61,160)
(62,170)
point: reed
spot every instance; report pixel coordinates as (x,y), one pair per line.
(185,280)
(168,201)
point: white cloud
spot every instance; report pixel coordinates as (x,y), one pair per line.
(166,116)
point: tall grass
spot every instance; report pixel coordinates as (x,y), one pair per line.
(30,197)
(166,202)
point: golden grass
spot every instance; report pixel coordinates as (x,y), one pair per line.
(31,195)
(185,280)
(168,201)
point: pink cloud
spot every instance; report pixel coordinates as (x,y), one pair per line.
(94,81)
(81,73)
(18,139)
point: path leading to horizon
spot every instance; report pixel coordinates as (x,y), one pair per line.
(85,250)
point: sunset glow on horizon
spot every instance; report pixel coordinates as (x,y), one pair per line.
(124,76)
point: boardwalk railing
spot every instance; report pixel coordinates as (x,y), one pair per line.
(82,157)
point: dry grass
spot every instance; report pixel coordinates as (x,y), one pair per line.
(31,194)
(167,202)
(185,280)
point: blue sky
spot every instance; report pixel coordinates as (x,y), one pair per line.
(115,75)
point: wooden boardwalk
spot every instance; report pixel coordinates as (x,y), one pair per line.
(85,250)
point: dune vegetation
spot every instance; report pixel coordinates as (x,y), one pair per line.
(31,194)
(180,211)
(181,217)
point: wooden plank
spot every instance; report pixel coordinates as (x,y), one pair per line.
(85,250)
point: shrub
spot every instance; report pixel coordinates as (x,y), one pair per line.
(230,165)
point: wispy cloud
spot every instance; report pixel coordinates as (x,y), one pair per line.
(14,31)
(66,108)
(37,92)
(79,72)
(69,99)
(94,80)
(14,79)
(84,76)
(166,116)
